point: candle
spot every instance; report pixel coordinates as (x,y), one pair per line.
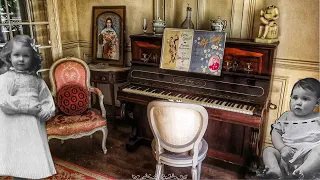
(144,25)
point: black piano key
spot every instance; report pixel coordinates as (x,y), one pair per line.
(163,92)
(166,93)
(149,90)
(247,108)
(173,94)
(238,105)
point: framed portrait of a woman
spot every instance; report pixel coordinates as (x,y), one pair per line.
(108,34)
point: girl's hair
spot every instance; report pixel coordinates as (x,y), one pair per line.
(310,84)
(5,54)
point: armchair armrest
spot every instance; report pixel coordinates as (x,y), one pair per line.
(99,93)
(41,71)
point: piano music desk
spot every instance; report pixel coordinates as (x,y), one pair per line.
(109,75)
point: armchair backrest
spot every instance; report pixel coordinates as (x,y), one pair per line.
(69,70)
(177,127)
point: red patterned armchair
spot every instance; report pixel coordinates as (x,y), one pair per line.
(71,73)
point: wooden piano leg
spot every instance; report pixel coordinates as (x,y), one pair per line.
(127,113)
(254,162)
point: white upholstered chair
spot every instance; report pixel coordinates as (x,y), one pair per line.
(178,130)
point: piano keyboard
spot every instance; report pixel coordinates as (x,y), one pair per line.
(207,102)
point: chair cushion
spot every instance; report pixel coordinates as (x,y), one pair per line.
(67,125)
(73,99)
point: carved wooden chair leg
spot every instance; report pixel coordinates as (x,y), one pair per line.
(122,111)
(104,139)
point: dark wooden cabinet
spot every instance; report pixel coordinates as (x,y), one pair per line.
(110,75)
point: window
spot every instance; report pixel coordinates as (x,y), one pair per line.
(27,17)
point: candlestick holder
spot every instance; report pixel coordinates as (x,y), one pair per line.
(248,69)
(144,25)
(228,66)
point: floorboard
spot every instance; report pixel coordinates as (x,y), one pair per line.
(118,162)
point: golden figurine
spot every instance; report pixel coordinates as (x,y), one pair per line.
(268,31)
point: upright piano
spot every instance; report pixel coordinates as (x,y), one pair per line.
(237,101)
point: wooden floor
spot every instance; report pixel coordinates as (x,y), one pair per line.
(118,162)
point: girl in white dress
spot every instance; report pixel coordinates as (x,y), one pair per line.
(25,106)
(296,135)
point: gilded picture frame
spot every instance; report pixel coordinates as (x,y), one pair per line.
(108,24)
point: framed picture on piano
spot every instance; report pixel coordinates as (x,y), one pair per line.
(193,51)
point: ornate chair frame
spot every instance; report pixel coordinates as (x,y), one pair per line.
(95,90)
(191,152)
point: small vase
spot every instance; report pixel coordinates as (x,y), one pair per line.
(187,23)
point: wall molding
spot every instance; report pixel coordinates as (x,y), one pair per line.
(76,44)
(280,89)
(86,44)
(70,45)
(294,64)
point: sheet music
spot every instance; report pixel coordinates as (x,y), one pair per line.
(193,51)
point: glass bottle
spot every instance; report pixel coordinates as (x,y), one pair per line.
(187,23)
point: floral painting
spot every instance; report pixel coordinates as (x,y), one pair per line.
(107,37)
